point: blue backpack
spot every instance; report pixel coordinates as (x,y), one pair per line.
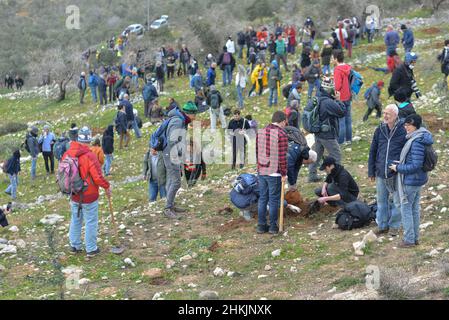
(158,140)
(148,93)
(60,148)
(245,183)
(355,81)
(368,92)
(243,201)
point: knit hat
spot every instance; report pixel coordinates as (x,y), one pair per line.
(380,83)
(190,108)
(85,135)
(403,27)
(327,83)
(410,57)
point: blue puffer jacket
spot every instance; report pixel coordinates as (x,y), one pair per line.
(412,168)
(210,80)
(385,148)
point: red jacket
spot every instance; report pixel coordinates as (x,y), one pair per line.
(341,79)
(90,171)
(271,151)
(291,32)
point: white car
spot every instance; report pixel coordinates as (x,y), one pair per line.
(134,28)
(159,23)
(164,17)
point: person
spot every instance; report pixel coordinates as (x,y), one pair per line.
(403,77)
(214,100)
(171,62)
(443,58)
(312,75)
(292,113)
(122,86)
(12,169)
(236,130)
(209,60)
(305,59)
(19,82)
(98,151)
(226,62)
(371,26)
(85,206)
(154,172)
(281,52)
(411,177)
(408,39)
(160,75)
(326,55)
(342,34)
(295,94)
(405,107)
(211,75)
(339,187)
(373,100)
(240,80)
(274,80)
(135,77)
(259,79)
(393,61)
(342,86)
(173,154)
(386,145)
(196,83)
(330,111)
(252,58)
(93,85)
(110,81)
(306,37)
(130,116)
(3,212)
(149,94)
(121,125)
(192,69)
(32,146)
(82,85)
(184,59)
(73,132)
(272,47)
(296,74)
(230,46)
(352,33)
(102,88)
(391,39)
(241,41)
(298,154)
(108,149)
(271,153)
(47,140)
(291,34)
(200,101)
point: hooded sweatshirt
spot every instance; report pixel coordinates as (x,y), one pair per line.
(13,164)
(341,79)
(274,75)
(90,171)
(108,140)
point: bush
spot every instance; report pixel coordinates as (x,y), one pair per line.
(395,285)
(12,127)
(8,147)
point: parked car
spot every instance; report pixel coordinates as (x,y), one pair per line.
(159,23)
(138,29)
(164,17)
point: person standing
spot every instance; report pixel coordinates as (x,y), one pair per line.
(93,85)
(227,64)
(154,172)
(85,206)
(121,125)
(82,85)
(110,81)
(230,45)
(281,52)
(443,58)
(373,100)
(102,89)
(387,143)
(271,153)
(184,59)
(108,149)
(241,79)
(236,129)
(149,94)
(403,78)
(47,140)
(130,117)
(214,100)
(160,75)
(408,39)
(98,151)
(12,169)
(211,75)
(391,39)
(274,79)
(411,178)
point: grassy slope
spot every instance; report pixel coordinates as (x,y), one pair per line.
(324,262)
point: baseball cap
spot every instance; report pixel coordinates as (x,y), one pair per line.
(327,162)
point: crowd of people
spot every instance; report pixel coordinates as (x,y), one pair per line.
(398,152)
(9,82)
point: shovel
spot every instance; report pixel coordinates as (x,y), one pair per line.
(119,248)
(281,213)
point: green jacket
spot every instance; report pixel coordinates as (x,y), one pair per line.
(280,47)
(161,172)
(274,75)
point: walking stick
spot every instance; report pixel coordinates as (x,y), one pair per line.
(279,92)
(281,218)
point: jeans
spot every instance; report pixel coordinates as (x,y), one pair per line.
(93,91)
(12,188)
(345,133)
(410,213)
(107,163)
(326,69)
(135,81)
(387,215)
(82,93)
(89,211)
(154,189)
(270,194)
(240,53)
(136,129)
(173,178)
(227,75)
(284,60)
(33,167)
(273,98)
(240,96)
(111,93)
(214,114)
(332,148)
(103,97)
(316,84)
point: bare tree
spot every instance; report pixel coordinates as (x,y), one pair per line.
(61,65)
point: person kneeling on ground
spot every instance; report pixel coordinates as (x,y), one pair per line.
(339,187)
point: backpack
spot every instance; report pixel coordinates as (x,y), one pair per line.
(147,92)
(80,84)
(245,183)
(159,140)
(243,201)
(60,148)
(226,58)
(430,158)
(311,117)
(68,177)
(214,100)
(26,146)
(368,91)
(355,214)
(355,82)
(241,38)
(5,166)
(286,90)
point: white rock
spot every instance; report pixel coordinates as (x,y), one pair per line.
(157,296)
(72,270)
(3,241)
(425,225)
(262,276)
(437,198)
(129,262)
(334,289)
(358,248)
(218,272)
(230,274)
(276,253)
(9,249)
(433,253)
(443,210)
(192,285)
(14,229)
(18,243)
(84,281)
(186,258)
(122,227)
(441,187)
(267,267)
(293,269)
(369,237)
(51,219)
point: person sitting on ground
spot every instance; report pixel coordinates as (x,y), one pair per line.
(339,187)
(97,150)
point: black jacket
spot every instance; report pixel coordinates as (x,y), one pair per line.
(108,140)
(220,61)
(401,79)
(121,124)
(330,111)
(345,182)
(13,164)
(128,109)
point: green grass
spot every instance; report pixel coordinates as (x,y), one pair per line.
(347,282)
(418,13)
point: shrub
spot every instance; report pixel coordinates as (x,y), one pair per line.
(11,127)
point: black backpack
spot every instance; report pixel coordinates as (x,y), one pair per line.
(354,215)
(286,90)
(26,146)
(430,158)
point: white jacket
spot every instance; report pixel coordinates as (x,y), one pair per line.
(240,81)
(230,46)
